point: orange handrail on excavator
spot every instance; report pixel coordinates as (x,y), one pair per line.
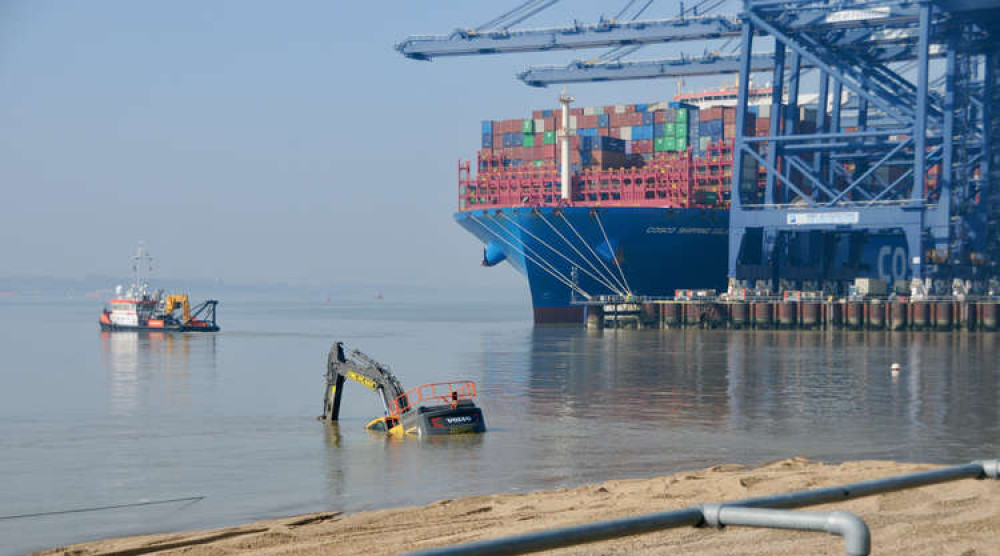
(439,392)
(173,301)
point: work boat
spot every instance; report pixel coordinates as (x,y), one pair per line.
(140,308)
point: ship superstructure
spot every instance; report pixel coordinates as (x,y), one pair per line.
(138,307)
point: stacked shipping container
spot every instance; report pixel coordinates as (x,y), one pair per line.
(607,137)
(666,154)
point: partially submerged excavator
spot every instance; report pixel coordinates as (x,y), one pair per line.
(429,409)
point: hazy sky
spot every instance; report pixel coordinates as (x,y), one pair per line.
(256,141)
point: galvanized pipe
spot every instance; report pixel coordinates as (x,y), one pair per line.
(857,538)
(605,530)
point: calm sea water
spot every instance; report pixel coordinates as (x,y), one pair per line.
(90,419)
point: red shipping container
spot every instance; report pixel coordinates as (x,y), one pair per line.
(587,121)
(576,111)
(549,151)
(537,114)
(713,113)
(728,114)
(609,110)
(659,117)
(550,123)
(629,108)
(603,132)
(642,146)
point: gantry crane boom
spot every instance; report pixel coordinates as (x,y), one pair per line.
(579,72)
(576,36)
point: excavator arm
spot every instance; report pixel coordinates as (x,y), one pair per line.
(343,364)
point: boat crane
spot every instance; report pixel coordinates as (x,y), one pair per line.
(429,409)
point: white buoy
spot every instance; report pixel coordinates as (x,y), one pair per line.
(895,368)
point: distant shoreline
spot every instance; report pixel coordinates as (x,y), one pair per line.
(957,518)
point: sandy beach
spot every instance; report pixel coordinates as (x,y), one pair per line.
(960,518)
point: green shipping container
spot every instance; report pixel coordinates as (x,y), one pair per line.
(528,140)
(660,144)
(669,129)
(538,163)
(681,131)
(670,143)
(682,143)
(681,116)
(550,138)
(528,126)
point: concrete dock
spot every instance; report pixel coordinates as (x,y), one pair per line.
(941,314)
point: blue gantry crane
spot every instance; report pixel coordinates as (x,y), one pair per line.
(900,146)
(915,162)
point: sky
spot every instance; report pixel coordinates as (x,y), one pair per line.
(257,142)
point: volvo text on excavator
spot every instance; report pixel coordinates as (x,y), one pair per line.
(429,409)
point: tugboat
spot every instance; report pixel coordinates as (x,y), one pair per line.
(139,308)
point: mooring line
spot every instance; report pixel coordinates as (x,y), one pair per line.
(597,257)
(599,279)
(101,508)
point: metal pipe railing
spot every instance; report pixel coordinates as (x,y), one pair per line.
(695,516)
(857,538)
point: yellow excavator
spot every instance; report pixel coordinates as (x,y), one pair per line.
(429,409)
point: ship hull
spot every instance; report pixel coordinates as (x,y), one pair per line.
(645,251)
(640,250)
(109,327)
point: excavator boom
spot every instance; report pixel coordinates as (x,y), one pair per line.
(342,364)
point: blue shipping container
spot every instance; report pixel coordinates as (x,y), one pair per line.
(546,113)
(612,144)
(641,108)
(487,140)
(603,120)
(647,118)
(487,127)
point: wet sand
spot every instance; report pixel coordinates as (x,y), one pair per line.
(960,518)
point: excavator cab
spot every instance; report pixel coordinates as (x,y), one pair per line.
(429,409)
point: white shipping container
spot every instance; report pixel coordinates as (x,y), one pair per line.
(539,125)
(619,109)
(591,111)
(626,133)
(870,286)
(572,122)
(764,110)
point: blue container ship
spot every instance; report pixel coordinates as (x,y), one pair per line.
(632,201)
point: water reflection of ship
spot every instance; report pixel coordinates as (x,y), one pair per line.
(135,358)
(643,378)
(741,380)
